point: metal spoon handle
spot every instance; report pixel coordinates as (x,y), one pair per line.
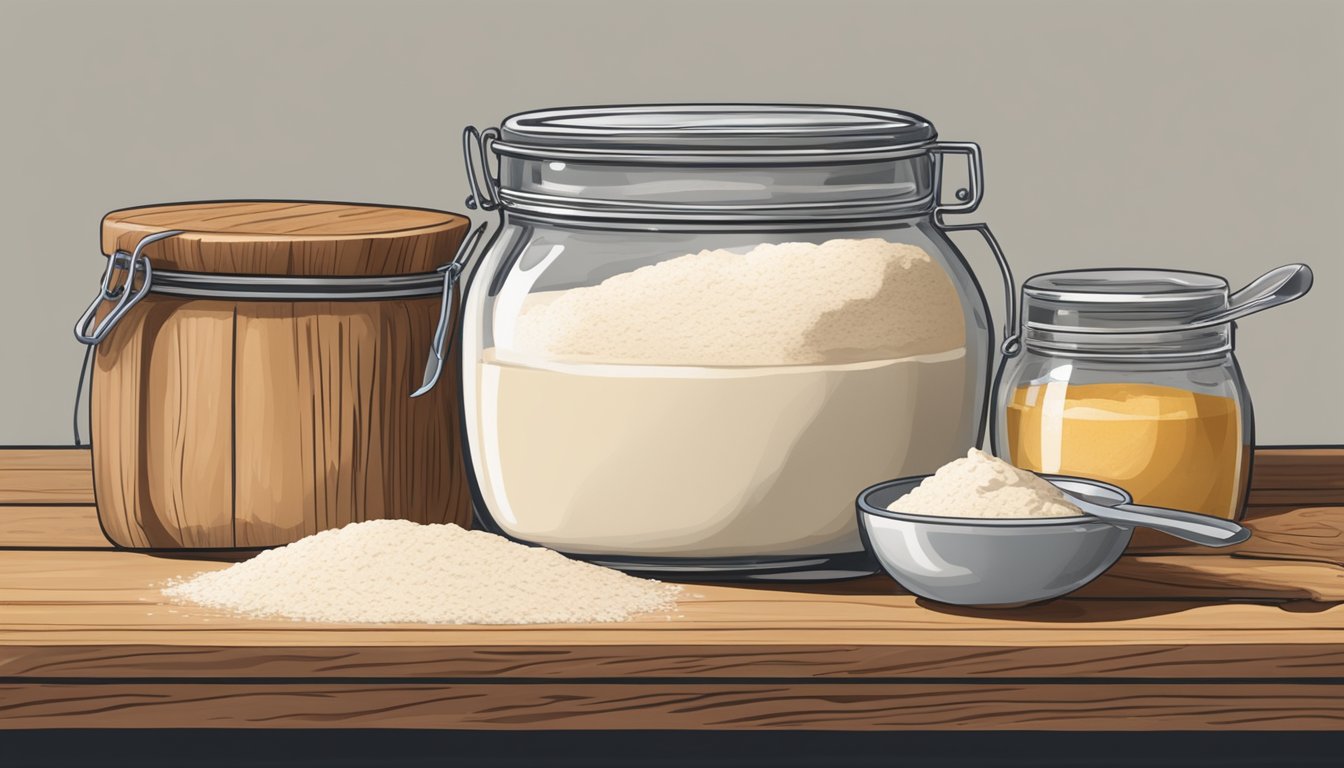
(1275,287)
(1200,529)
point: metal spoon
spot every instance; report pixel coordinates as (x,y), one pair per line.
(1200,529)
(1275,287)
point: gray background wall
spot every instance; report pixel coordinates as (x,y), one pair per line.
(1199,135)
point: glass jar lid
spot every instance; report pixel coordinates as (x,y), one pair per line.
(1121,300)
(1147,313)
(713,164)
(703,133)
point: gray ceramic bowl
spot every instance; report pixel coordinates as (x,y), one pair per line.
(995,561)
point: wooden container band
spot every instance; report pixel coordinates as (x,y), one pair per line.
(262,288)
(280,288)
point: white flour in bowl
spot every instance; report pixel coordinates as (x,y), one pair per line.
(981,485)
(398,571)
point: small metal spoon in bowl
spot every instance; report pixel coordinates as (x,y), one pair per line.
(1199,529)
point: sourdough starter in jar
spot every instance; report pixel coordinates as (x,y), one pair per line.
(697,406)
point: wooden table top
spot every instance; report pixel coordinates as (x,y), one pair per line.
(1174,638)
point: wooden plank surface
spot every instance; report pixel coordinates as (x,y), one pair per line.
(1297,555)
(1171,639)
(1300,533)
(819,660)
(52,527)
(1177,706)
(1270,497)
(77,598)
(46,476)
(1299,468)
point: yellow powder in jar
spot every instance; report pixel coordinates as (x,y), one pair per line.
(1168,447)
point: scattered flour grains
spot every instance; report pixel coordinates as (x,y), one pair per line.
(981,485)
(399,571)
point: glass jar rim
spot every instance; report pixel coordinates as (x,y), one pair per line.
(1169,344)
(1121,301)
(715,133)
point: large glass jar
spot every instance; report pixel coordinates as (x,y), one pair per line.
(701,330)
(1128,376)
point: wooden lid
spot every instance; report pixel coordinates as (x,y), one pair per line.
(289,237)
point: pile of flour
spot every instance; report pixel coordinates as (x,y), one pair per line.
(398,571)
(842,301)
(980,485)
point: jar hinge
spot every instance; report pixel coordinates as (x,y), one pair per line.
(477,144)
(126,295)
(970,197)
(438,349)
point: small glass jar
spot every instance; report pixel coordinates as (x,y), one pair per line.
(653,377)
(1128,376)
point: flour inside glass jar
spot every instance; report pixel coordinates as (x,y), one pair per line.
(699,406)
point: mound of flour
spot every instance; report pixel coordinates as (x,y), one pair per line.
(398,571)
(842,301)
(980,485)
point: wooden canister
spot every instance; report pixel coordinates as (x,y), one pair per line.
(259,390)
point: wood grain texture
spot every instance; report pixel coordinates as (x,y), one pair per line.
(64,598)
(327,432)
(1315,534)
(86,642)
(1253,513)
(1302,533)
(1205,577)
(118,393)
(161,420)
(820,660)
(613,706)
(72,527)
(45,476)
(220,424)
(1299,469)
(187,420)
(289,237)
(1295,497)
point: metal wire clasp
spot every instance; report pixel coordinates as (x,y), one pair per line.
(970,197)
(438,348)
(125,295)
(477,144)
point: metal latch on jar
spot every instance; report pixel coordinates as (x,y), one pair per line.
(477,143)
(125,296)
(140,280)
(970,197)
(438,349)
(191,285)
